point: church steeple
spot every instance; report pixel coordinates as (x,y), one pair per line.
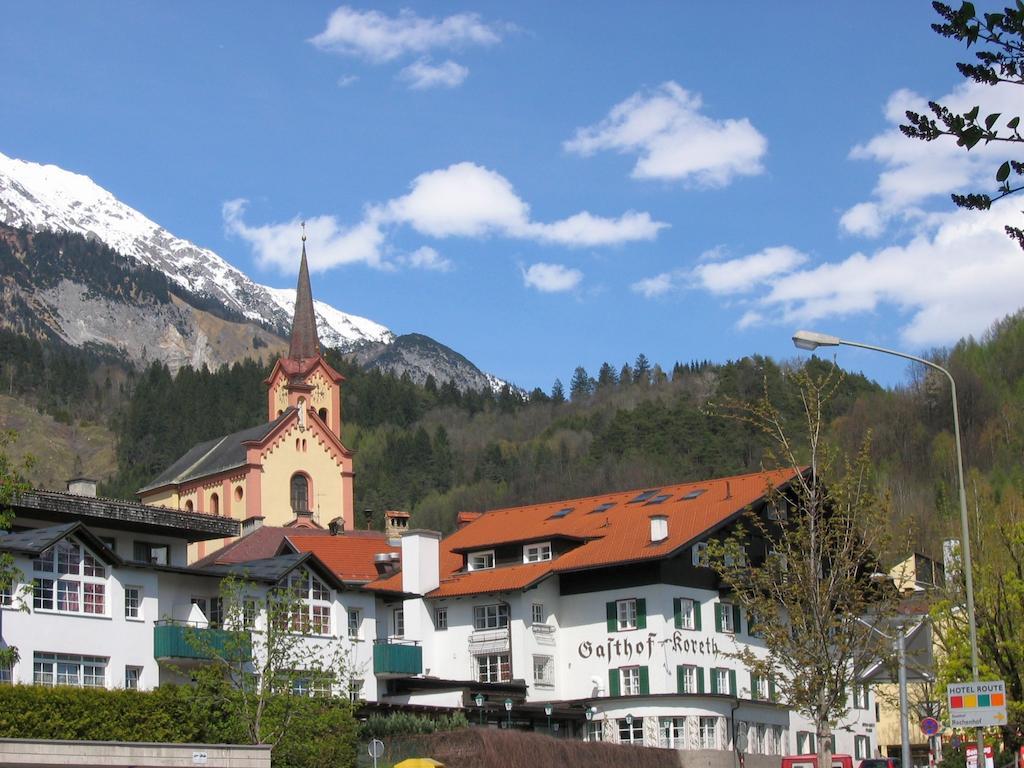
(304,342)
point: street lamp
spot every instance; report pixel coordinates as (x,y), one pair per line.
(508,711)
(811,340)
(479,701)
(901,659)
(548,709)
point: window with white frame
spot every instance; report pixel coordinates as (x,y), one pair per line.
(133,602)
(147,552)
(544,670)
(132,676)
(707,733)
(216,614)
(537,613)
(492,668)
(355,690)
(699,554)
(672,732)
(355,619)
(725,618)
(758,687)
(688,678)
(595,730)
(6,596)
(6,678)
(758,736)
(805,743)
(686,613)
(311,685)
(398,622)
(860,697)
(535,553)
(630,681)
(772,738)
(441,617)
(721,681)
(490,616)
(631,731)
(626,614)
(68,578)
(481,561)
(861,747)
(248,613)
(309,603)
(68,669)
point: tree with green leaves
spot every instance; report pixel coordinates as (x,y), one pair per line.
(807,585)
(581,385)
(12,482)
(998,38)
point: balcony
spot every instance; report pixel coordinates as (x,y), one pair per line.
(182,641)
(397,658)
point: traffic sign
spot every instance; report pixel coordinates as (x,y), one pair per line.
(930,726)
(975,705)
(376,749)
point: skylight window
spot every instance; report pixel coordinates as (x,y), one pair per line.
(561,513)
(659,499)
(602,507)
(643,496)
(694,494)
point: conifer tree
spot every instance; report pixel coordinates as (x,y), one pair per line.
(557,392)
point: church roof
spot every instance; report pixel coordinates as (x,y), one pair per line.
(304,343)
(213,456)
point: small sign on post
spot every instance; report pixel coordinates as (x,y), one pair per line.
(977,705)
(930,726)
(972,756)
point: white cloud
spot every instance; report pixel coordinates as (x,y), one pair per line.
(551,278)
(422,75)
(652,287)
(426,257)
(674,140)
(462,200)
(346,80)
(373,36)
(746,273)
(329,243)
(863,219)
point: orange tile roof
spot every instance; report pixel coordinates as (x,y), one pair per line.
(348,556)
(614,531)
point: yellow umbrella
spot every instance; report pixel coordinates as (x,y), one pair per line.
(419,762)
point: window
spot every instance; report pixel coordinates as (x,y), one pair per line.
(725,613)
(355,618)
(308,602)
(687,613)
(216,614)
(490,616)
(300,493)
(626,612)
(689,679)
(155,554)
(214,504)
(861,747)
(759,736)
(631,730)
(805,743)
(595,730)
(773,740)
(860,697)
(7,595)
(248,613)
(133,602)
(109,542)
(201,602)
(479,561)
(543,670)
(398,622)
(313,685)
(441,617)
(723,680)
(699,554)
(65,669)
(74,580)
(493,668)
(355,687)
(322,413)
(707,733)
(534,553)
(672,732)
(630,681)
(6,678)
(759,687)
(537,613)
(189,507)
(132,675)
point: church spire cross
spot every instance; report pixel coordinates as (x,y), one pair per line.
(304,341)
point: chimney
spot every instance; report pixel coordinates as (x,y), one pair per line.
(368,517)
(420,561)
(82,486)
(659,528)
(395,523)
(728,489)
(383,563)
(465,518)
(336,526)
(250,524)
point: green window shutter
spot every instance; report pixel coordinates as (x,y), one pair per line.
(718,617)
(737,615)
(613,616)
(714,680)
(696,614)
(677,609)
(613,682)
(700,679)
(641,613)
(732,682)
(772,695)
(680,675)
(645,682)
(754,680)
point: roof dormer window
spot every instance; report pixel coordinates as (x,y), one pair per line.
(535,553)
(480,561)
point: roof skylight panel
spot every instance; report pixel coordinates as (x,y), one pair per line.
(561,513)
(659,499)
(602,507)
(694,494)
(643,496)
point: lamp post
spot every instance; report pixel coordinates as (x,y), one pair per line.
(508,712)
(900,642)
(479,701)
(629,727)
(548,709)
(811,340)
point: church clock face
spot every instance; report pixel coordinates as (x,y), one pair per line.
(320,392)
(282,398)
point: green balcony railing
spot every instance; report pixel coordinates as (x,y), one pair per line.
(176,640)
(397,657)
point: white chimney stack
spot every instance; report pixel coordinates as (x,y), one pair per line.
(421,562)
(659,528)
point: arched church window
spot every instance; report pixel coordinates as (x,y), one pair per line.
(189,507)
(322,413)
(214,504)
(238,493)
(300,493)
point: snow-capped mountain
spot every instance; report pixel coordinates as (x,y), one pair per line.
(45,197)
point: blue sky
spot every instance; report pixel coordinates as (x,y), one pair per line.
(542,185)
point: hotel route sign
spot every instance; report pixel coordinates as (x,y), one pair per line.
(976,705)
